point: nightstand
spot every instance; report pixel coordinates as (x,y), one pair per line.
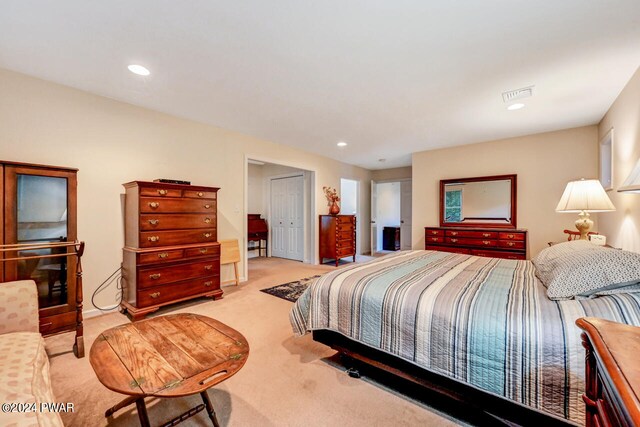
(612,377)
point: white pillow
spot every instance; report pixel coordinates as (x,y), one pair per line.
(580,268)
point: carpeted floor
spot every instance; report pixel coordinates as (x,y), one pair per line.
(287,381)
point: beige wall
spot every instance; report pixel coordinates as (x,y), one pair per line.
(544,164)
(622,227)
(112,142)
(390,174)
(255,191)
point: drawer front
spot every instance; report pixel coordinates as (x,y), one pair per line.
(154,239)
(497,254)
(471,242)
(511,244)
(343,244)
(160,256)
(160,192)
(344,252)
(174,291)
(346,227)
(472,234)
(158,204)
(433,232)
(203,251)
(57,322)
(155,276)
(512,236)
(345,220)
(193,194)
(176,221)
(344,234)
(430,239)
(451,249)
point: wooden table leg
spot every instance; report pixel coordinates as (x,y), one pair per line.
(209,406)
(126,402)
(142,412)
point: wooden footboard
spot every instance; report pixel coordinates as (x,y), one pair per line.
(476,405)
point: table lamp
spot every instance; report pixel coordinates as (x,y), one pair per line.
(584,196)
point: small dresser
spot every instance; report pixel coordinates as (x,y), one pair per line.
(612,375)
(337,237)
(391,238)
(171,251)
(487,242)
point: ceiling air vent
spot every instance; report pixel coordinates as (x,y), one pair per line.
(512,95)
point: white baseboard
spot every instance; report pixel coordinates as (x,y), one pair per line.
(94,312)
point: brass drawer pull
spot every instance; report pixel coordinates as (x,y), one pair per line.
(208,267)
(203,251)
(209,283)
(510,236)
(200,194)
(454,240)
(154,221)
(207,220)
(154,205)
(207,235)
(207,206)
(486,242)
(162,255)
(434,232)
(511,243)
(153,238)
(155,295)
(162,192)
(454,233)
(155,276)
(486,235)
(435,239)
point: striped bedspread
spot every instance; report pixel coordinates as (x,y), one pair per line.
(483,321)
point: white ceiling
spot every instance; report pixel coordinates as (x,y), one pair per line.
(390,77)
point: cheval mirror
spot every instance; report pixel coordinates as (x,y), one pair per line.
(486,201)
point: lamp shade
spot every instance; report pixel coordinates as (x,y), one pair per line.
(632,183)
(585,195)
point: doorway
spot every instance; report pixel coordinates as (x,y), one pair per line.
(350,204)
(391,208)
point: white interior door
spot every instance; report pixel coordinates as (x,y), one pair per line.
(374,214)
(294,190)
(405,215)
(287,218)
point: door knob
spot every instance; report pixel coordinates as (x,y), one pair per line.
(401,222)
(373,222)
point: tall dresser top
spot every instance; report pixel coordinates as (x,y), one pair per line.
(167,186)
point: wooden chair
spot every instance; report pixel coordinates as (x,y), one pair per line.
(230,254)
(575,235)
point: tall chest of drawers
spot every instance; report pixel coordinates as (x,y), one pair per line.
(487,242)
(171,251)
(337,237)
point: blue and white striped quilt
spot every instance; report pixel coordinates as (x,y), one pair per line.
(483,321)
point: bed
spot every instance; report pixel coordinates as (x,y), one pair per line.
(484,323)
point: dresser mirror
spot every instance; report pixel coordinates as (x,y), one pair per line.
(487,201)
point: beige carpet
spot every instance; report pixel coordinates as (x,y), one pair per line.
(285,382)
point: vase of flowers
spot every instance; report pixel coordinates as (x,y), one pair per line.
(332,200)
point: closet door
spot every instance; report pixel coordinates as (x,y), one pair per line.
(40,208)
(405,215)
(287,213)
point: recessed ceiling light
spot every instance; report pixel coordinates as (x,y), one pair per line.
(139,70)
(341,144)
(515,106)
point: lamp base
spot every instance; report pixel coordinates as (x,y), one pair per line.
(584,224)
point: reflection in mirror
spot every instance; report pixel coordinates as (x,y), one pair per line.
(478,202)
(42,218)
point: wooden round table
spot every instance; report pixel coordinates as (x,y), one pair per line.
(167,356)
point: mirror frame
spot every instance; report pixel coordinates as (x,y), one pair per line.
(514,205)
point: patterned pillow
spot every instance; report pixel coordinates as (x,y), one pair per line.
(580,268)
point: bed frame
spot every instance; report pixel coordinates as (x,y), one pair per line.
(484,405)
